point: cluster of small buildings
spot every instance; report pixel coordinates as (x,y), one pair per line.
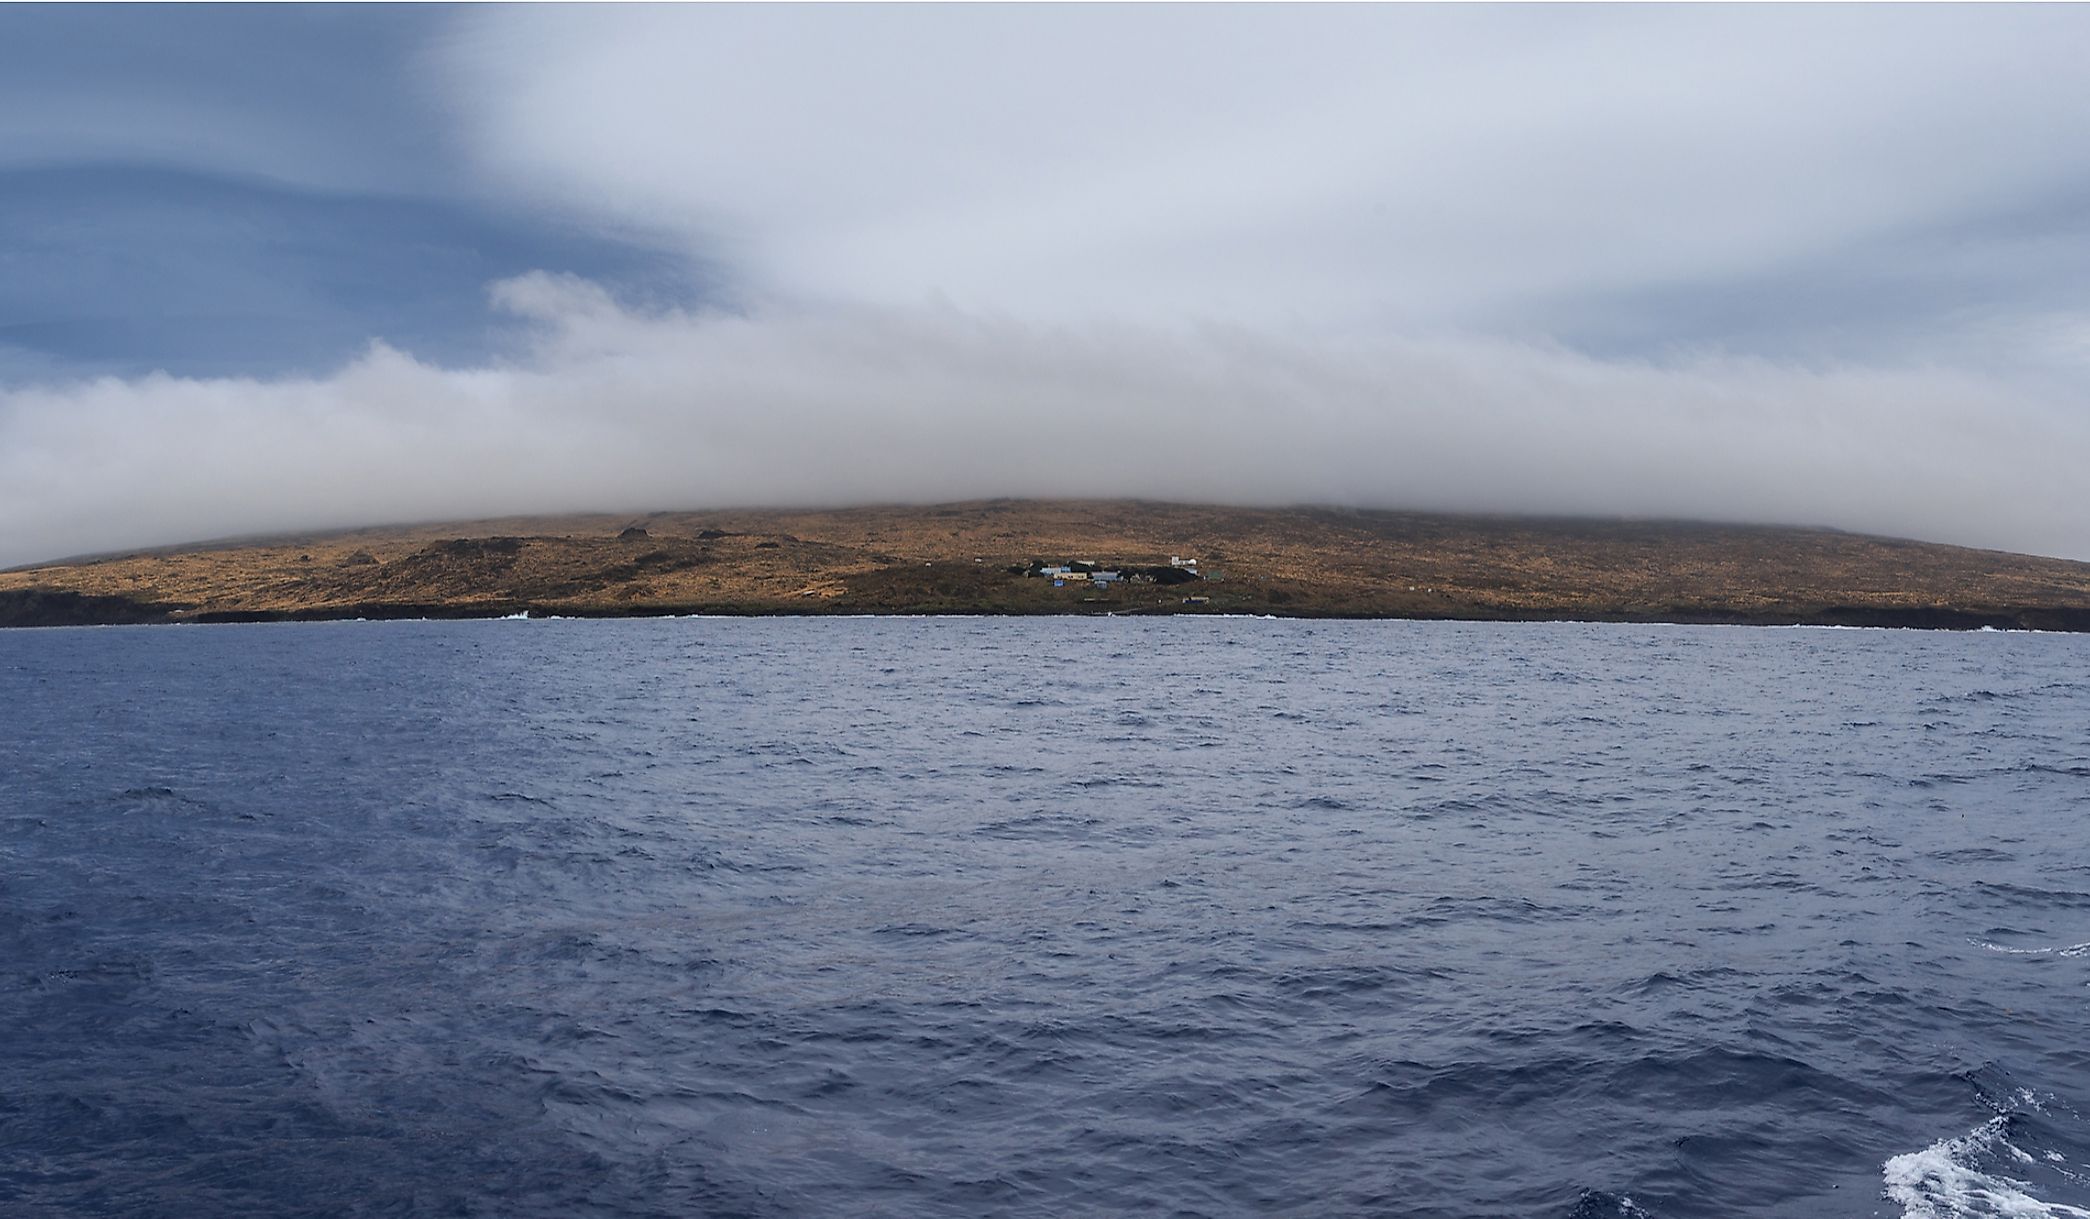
(1061,574)
(1088,571)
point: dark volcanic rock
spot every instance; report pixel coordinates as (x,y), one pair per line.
(632,533)
(53,607)
(475,557)
(373,610)
(476,548)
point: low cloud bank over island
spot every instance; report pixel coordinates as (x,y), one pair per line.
(1807,265)
(608,407)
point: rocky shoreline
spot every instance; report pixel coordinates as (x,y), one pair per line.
(41,608)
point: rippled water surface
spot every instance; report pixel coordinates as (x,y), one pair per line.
(1043,917)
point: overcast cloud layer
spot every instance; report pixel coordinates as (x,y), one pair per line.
(1825,266)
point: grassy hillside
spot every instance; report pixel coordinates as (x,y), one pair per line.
(958,558)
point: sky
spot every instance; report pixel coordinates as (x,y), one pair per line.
(274,268)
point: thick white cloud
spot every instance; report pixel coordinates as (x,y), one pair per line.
(1345,165)
(617,410)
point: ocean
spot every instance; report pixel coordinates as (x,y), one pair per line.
(1043,917)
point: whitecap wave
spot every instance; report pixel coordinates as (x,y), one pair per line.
(2071,950)
(1942,1181)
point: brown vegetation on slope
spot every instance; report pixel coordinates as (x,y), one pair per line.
(957,558)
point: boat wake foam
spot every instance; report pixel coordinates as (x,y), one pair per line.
(1982,1174)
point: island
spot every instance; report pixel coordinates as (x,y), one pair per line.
(1046,557)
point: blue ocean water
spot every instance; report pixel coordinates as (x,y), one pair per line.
(959,917)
